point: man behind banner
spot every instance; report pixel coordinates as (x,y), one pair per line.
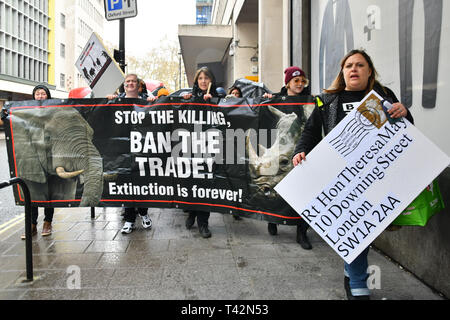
(131,87)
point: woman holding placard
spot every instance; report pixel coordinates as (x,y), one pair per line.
(357,77)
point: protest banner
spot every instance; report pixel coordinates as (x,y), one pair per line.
(224,157)
(97,67)
(361,176)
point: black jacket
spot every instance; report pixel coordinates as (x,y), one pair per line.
(141,95)
(198,93)
(283,92)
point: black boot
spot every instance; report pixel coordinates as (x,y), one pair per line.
(202,222)
(236,217)
(204,231)
(190,220)
(272,228)
(302,238)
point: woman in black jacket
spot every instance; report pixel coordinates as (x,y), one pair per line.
(355,80)
(204,85)
(204,88)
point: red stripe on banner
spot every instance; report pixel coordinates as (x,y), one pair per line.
(14,157)
(164,104)
(180,202)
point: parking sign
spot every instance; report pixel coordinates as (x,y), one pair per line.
(114,5)
(120,9)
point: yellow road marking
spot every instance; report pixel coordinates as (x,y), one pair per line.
(12,220)
(13,224)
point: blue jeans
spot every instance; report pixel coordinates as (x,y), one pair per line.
(357,272)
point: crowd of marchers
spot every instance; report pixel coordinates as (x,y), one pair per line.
(357,77)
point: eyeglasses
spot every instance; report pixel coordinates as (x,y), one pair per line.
(303,81)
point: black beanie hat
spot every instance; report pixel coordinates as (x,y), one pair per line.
(43,87)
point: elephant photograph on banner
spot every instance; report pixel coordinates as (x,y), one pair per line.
(55,155)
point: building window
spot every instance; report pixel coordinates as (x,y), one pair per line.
(62,50)
(19,66)
(63,21)
(62,80)
(204,14)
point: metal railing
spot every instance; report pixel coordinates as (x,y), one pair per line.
(28,236)
(28,243)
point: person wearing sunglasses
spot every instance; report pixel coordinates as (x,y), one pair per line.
(296,84)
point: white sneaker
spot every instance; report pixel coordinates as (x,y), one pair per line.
(128,227)
(146,221)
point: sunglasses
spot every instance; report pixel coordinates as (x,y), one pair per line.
(303,81)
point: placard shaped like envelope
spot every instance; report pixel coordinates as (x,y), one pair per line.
(361,176)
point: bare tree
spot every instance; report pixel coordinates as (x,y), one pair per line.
(161,63)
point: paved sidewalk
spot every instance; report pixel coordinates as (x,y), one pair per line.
(241,261)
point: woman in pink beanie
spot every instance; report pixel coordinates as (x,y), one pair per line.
(296,84)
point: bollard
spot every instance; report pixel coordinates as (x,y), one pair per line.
(28,243)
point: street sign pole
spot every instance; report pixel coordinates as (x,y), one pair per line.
(122,44)
(120,10)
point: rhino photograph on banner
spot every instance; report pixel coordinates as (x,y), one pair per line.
(225,156)
(379,166)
